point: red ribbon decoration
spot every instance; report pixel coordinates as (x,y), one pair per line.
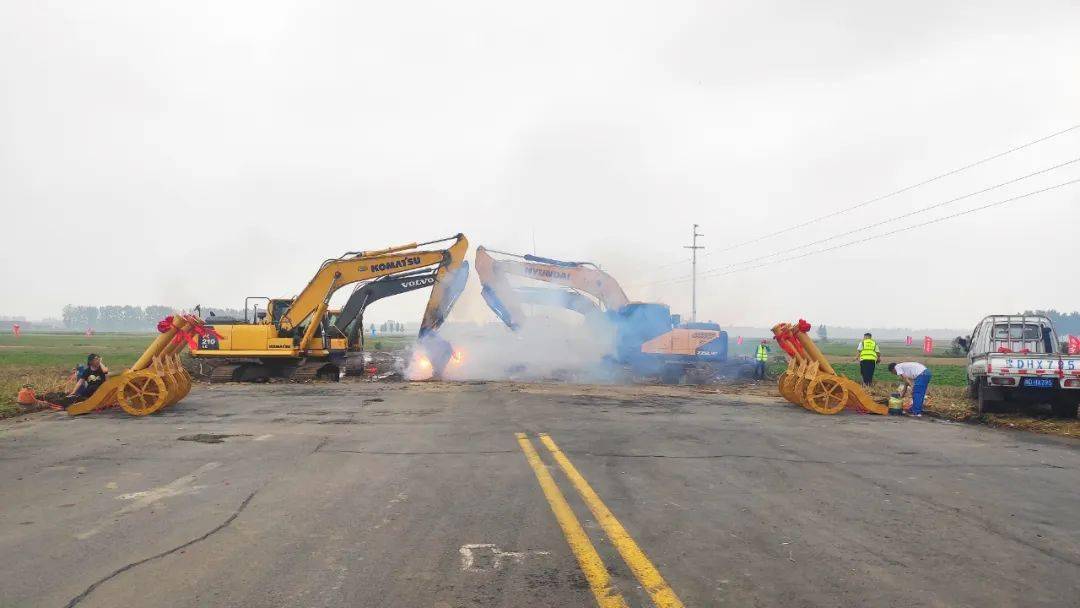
(198,330)
(191,334)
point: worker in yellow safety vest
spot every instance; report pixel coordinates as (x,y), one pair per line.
(760,359)
(868,355)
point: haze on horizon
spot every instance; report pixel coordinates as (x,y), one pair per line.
(163,153)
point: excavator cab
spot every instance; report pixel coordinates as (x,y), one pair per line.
(636,324)
(277,307)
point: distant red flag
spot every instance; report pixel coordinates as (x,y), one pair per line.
(928,345)
(1074,345)
(909,341)
(738,340)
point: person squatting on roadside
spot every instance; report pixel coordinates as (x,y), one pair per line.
(90,377)
(760,359)
(915,376)
(868,355)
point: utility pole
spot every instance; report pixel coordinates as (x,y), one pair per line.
(693,266)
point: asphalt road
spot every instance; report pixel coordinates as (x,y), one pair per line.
(409,495)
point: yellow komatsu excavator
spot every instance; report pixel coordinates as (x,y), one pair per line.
(647,336)
(294,337)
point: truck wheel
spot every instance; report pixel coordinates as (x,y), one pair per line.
(1064,407)
(984,405)
(972,389)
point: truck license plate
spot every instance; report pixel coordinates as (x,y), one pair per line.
(1039,382)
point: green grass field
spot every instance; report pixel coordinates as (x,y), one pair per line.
(45,360)
(890,351)
(943,375)
(68,350)
(383,343)
(946,368)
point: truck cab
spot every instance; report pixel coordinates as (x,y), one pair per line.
(1018,359)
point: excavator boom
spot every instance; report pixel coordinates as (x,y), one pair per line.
(580,277)
(360,266)
(350,319)
(647,337)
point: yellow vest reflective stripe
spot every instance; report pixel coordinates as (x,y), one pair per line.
(868,350)
(762,353)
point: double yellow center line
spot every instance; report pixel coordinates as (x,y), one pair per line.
(591,564)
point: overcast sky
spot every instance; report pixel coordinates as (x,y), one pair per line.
(199,152)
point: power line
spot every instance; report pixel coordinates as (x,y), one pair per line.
(876,199)
(880,223)
(898,191)
(896,231)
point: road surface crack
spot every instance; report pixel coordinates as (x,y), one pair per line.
(322,443)
(82,596)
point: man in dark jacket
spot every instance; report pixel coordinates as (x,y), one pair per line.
(90,377)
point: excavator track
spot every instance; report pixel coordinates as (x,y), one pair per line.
(240,371)
(226,372)
(354,364)
(308,371)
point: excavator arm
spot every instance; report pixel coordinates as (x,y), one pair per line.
(450,280)
(354,267)
(646,335)
(561,298)
(580,277)
(350,320)
(450,276)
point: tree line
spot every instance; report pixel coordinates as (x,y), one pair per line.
(1066,323)
(125,318)
(389,327)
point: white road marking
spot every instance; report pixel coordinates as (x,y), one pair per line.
(262,438)
(401,497)
(146,498)
(177,487)
(468,556)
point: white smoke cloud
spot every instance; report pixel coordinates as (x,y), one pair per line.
(548,345)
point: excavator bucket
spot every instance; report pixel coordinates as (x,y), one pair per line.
(157,379)
(811,382)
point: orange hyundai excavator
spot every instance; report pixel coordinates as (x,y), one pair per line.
(647,336)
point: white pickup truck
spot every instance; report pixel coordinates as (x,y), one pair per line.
(1017,358)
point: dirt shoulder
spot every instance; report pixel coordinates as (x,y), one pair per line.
(944,402)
